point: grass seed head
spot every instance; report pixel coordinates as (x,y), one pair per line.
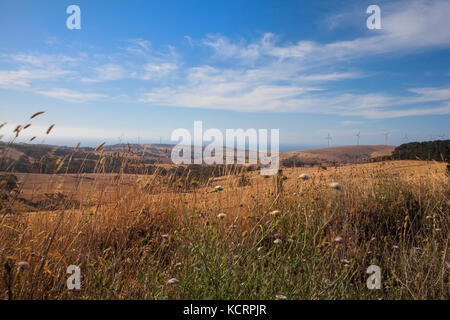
(221,215)
(339,240)
(50,129)
(173,281)
(336,186)
(22,266)
(303,176)
(37,114)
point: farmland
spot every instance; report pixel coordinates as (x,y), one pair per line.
(254,237)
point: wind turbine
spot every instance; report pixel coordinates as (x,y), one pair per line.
(386,136)
(357,137)
(405,138)
(329,138)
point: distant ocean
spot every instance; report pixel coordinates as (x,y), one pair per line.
(93,144)
(295,147)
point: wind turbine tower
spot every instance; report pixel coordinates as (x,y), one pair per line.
(358,135)
(328,138)
(386,136)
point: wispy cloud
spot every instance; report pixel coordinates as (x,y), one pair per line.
(44,60)
(351,122)
(267,75)
(138,46)
(213,89)
(107,72)
(32,67)
(262,75)
(157,70)
(412,25)
(70,95)
(23,77)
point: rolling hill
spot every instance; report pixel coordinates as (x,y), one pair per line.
(344,154)
(22,156)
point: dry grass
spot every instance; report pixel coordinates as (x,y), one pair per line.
(130,234)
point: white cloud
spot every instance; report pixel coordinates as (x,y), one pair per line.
(406,26)
(107,72)
(70,95)
(23,77)
(138,46)
(382,114)
(268,76)
(331,76)
(431,94)
(351,122)
(51,41)
(189,40)
(44,60)
(32,67)
(262,75)
(157,70)
(208,87)
(142,43)
(224,48)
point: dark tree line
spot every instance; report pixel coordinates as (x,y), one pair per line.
(438,150)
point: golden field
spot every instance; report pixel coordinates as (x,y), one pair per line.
(255,239)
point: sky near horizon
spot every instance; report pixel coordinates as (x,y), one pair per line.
(137,70)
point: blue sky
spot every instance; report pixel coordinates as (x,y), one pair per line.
(144,68)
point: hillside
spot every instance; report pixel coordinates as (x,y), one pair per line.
(22,157)
(146,230)
(344,154)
